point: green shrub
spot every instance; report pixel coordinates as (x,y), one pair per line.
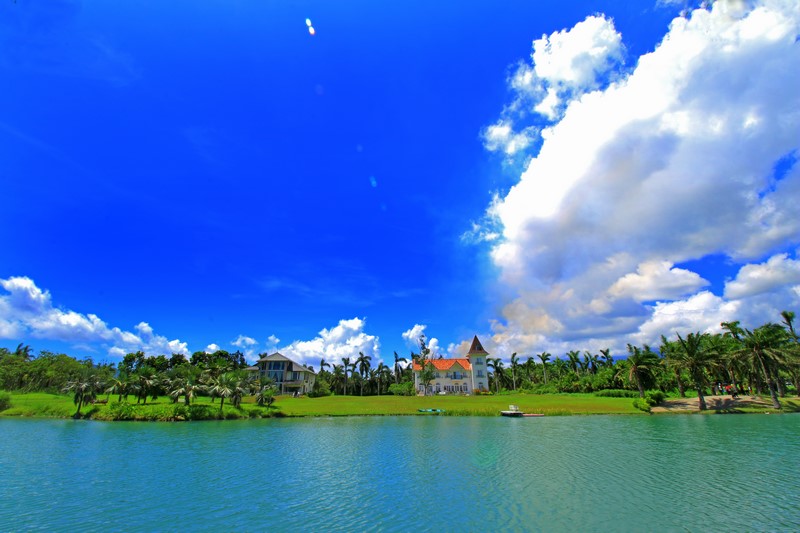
(321,388)
(654,397)
(402,389)
(617,393)
(5,400)
(642,404)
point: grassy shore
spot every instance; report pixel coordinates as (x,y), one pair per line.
(61,406)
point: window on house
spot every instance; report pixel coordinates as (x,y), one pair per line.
(479,373)
(479,361)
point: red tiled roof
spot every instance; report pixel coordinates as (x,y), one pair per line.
(445,364)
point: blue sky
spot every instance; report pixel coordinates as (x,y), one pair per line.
(181,176)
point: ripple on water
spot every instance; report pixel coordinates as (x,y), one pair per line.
(399,474)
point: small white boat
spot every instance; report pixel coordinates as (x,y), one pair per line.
(514,411)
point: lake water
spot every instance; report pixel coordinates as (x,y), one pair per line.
(593,473)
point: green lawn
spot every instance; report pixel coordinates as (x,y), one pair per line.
(551,404)
(61,406)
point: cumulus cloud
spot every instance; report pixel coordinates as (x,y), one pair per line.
(643,170)
(654,280)
(411,338)
(211,348)
(568,63)
(346,339)
(778,272)
(28,310)
(501,137)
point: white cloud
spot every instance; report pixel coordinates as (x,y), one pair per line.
(346,339)
(656,280)
(568,63)
(411,337)
(211,348)
(242,341)
(777,273)
(670,162)
(28,311)
(502,137)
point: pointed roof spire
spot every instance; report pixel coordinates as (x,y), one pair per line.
(476,348)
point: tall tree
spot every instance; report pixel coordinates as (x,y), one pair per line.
(763,347)
(545,357)
(363,363)
(346,367)
(640,363)
(514,366)
(398,371)
(695,354)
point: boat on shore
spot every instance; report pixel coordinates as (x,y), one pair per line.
(513,411)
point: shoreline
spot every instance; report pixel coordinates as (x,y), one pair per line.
(43,405)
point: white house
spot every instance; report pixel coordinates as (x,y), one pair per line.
(462,375)
(289,377)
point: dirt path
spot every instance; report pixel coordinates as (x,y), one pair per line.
(713,403)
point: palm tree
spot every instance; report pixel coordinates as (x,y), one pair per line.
(85,390)
(145,383)
(323,364)
(383,372)
(224,386)
(121,386)
(363,368)
(695,355)
(337,376)
(186,386)
(575,361)
(514,366)
(397,369)
(763,348)
(793,365)
(640,363)
(266,395)
(590,361)
(608,360)
(545,357)
(346,367)
(496,365)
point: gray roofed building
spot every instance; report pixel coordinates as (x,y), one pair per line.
(289,376)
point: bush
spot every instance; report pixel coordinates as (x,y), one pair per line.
(654,397)
(402,389)
(321,388)
(617,393)
(5,401)
(642,404)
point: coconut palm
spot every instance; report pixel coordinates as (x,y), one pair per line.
(363,368)
(545,357)
(346,367)
(640,363)
(337,376)
(608,360)
(145,383)
(574,357)
(764,349)
(697,356)
(84,390)
(496,365)
(514,366)
(398,371)
(590,362)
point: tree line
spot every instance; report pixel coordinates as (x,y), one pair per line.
(765,360)
(220,375)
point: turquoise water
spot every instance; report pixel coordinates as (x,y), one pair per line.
(599,473)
